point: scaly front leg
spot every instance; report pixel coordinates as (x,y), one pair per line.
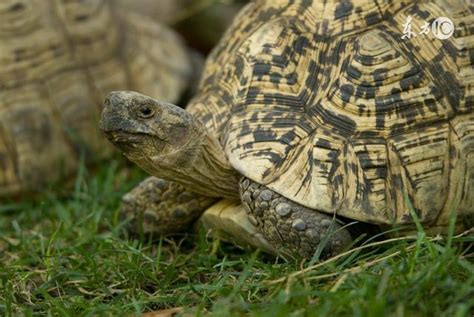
(159,207)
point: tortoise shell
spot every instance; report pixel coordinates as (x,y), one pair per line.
(59,59)
(330,105)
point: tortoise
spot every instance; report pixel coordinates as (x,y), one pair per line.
(310,115)
(58,62)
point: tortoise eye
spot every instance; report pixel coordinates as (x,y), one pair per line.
(145,112)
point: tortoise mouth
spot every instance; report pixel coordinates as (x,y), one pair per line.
(126,140)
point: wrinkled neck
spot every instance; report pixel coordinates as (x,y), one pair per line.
(200,165)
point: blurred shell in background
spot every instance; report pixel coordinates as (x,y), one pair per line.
(161,10)
(200,22)
(58,60)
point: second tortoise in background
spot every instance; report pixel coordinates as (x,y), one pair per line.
(200,22)
(308,112)
(58,61)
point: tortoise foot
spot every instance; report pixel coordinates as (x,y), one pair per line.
(290,227)
(158,207)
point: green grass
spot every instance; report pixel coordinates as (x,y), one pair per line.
(66,254)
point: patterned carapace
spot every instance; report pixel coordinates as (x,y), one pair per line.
(326,104)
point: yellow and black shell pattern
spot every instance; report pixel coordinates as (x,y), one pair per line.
(330,104)
(58,61)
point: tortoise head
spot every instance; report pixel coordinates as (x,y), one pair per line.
(168,142)
(151,133)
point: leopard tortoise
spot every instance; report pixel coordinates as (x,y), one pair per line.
(311,114)
(58,61)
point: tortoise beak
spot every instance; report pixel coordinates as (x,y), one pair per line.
(115,114)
